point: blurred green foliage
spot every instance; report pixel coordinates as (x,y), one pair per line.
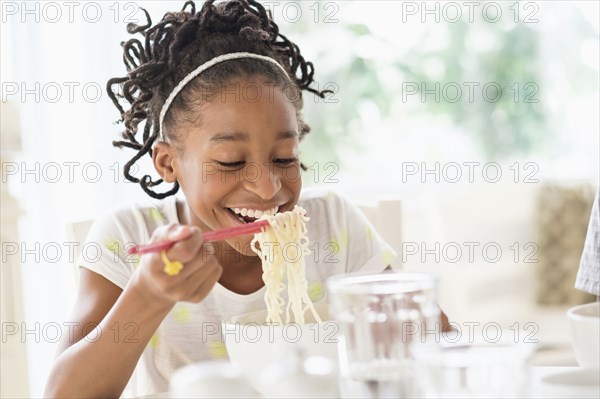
(503,122)
(507,124)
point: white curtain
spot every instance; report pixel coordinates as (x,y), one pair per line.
(54,69)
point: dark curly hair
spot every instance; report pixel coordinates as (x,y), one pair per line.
(181,42)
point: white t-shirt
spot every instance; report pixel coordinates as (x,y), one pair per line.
(191,332)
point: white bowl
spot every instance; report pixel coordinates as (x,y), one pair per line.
(585,332)
(209,379)
(254,346)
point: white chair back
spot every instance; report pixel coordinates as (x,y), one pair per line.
(386,217)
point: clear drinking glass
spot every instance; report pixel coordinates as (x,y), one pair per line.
(380,316)
(472,370)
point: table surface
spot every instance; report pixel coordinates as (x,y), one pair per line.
(551,382)
(546,382)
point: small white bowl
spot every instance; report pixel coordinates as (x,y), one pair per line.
(209,379)
(254,346)
(585,333)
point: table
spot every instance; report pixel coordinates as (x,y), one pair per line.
(546,382)
(564,382)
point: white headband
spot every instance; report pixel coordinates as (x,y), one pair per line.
(198,71)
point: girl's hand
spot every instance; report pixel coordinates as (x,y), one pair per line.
(201,269)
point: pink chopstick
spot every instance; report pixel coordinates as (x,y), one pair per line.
(209,236)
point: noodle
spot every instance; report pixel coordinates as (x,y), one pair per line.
(283,246)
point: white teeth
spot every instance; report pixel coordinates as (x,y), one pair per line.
(255,213)
(272,211)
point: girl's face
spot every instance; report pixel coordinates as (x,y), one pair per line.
(241,156)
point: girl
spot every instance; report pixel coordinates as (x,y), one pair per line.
(217,95)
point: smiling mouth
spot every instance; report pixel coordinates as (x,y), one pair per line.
(246,215)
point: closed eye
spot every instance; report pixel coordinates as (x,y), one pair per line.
(285,161)
(232,165)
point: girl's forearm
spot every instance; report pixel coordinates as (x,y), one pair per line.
(101,364)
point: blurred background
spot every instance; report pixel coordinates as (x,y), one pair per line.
(469,134)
